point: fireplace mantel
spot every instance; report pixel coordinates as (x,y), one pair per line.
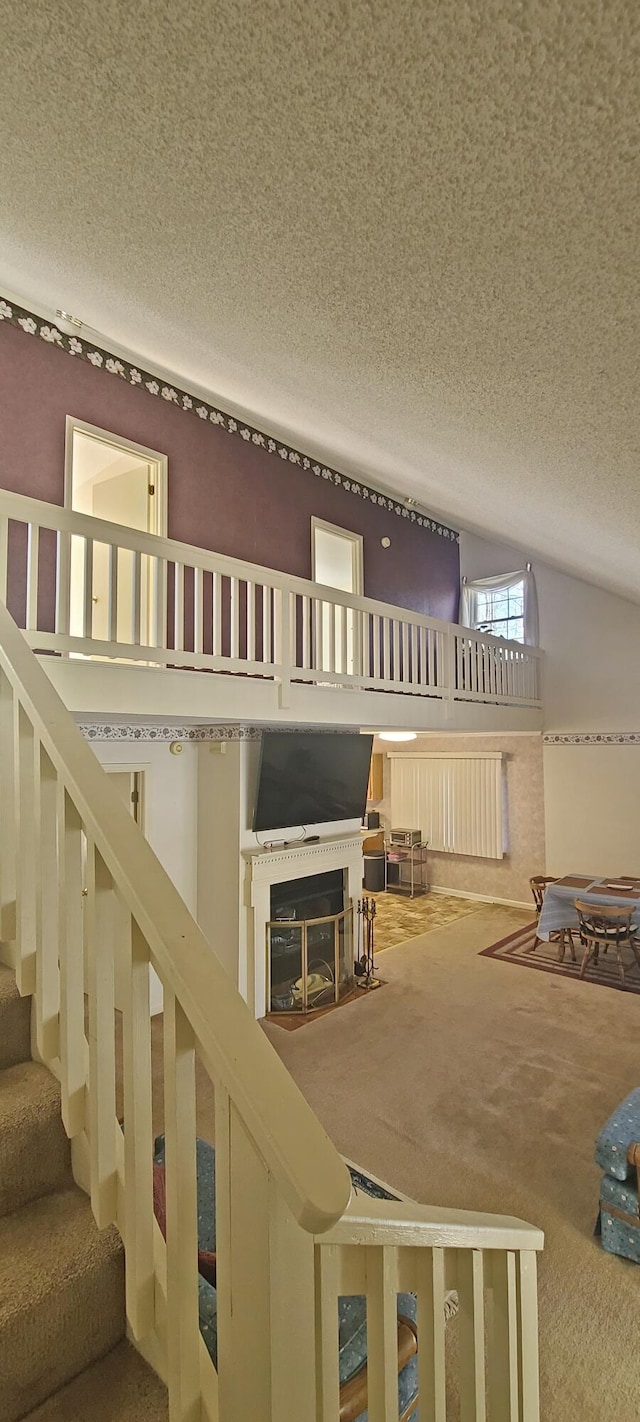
(265,867)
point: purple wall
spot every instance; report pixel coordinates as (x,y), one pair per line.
(225,494)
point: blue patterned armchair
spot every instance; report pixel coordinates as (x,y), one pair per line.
(618,1153)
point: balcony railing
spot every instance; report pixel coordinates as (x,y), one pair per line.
(80,585)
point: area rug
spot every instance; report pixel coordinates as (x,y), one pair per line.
(399,917)
(518,948)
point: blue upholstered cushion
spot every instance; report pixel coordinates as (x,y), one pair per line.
(621,1193)
(622,1127)
(618,1237)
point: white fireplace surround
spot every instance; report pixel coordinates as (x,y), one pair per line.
(266,867)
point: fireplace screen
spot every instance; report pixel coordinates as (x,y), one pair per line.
(309,961)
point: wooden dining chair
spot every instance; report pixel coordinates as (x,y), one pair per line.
(561,936)
(604,926)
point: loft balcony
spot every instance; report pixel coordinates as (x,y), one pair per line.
(122,621)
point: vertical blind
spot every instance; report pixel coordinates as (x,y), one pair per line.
(457,801)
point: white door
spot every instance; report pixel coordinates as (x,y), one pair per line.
(121,483)
(337,562)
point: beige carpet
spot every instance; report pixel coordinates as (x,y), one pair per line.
(469,1085)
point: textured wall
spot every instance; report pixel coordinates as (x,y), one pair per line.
(224,494)
(507,878)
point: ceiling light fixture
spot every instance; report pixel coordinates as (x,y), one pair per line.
(398,735)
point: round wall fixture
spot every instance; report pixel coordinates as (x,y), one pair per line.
(385,542)
(397,735)
(176,747)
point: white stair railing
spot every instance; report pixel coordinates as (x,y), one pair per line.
(85,911)
(81,585)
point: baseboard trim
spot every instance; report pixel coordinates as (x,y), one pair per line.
(481,898)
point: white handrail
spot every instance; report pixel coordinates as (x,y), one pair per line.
(242,617)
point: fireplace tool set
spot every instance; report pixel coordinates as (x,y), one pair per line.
(364,966)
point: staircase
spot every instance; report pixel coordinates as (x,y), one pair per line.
(86,911)
(62,1311)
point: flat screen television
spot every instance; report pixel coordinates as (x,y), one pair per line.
(310,778)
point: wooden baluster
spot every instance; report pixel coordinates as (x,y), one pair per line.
(319,614)
(4,556)
(71,944)
(430,1281)
(112,593)
(375,638)
(331,614)
(63,583)
(138,1134)
(529,1377)
(217,614)
(471,1361)
(327,1355)
(47,996)
(136,599)
(234,592)
(306,627)
(159,594)
(99,930)
(87,589)
(26,868)
(345,658)
(251,622)
(396,633)
(406,673)
(178,607)
(267,650)
(382,1333)
(8,815)
(415,654)
(198,611)
(243,1268)
(502,1340)
(33,558)
(181,1213)
(386,648)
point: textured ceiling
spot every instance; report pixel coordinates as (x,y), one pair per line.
(404,234)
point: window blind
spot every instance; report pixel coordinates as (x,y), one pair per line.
(457,801)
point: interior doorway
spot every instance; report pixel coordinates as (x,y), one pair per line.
(337,561)
(112,478)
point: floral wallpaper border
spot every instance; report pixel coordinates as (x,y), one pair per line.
(592,738)
(138,731)
(103,359)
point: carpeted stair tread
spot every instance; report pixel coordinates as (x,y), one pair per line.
(15,1018)
(119,1388)
(34,1150)
(61,1298)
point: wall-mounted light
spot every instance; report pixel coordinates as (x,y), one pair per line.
(397,735)
(176,747)
(385,542)
(68,323)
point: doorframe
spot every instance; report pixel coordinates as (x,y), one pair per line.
(160,502)
(138,773)
(357,550)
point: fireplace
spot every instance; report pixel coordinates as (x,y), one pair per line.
(309,943)
(297,874)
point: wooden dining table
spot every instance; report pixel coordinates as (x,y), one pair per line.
(558,909)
